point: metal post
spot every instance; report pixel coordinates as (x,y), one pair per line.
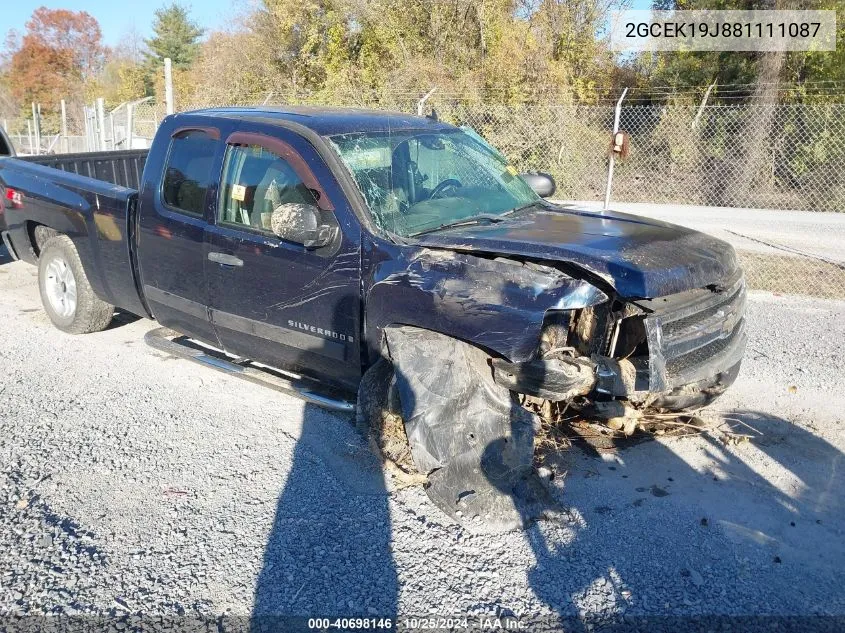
(168,85)
(101,123)
(53,143)
(701,107)
(37,127)
(91,114)
(130,123)
(111,126)
(91,128)
(65,148)
(85,117)
(421,102)
(29,134)
(612,161)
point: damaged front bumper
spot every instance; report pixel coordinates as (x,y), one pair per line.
(695,343)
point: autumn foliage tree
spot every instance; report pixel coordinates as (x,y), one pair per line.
(60,51)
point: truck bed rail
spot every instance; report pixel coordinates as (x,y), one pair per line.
(123,167)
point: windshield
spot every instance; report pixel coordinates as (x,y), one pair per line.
(415,181)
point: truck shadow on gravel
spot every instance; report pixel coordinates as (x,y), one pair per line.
(121,318)
(689,527)
(329,549)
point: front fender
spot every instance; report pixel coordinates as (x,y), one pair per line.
(497,304)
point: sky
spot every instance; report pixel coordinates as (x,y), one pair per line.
(117,17)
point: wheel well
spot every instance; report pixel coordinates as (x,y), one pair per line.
(38,235)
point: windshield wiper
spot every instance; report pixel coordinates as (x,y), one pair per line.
(473,219)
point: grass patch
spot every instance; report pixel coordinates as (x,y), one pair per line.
(793,275)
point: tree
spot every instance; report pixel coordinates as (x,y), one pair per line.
(8,107)
(60,52)
(131,46)
(361,51)
(124,77)
(73,33)
(121,80)
(756,73)
(176,36)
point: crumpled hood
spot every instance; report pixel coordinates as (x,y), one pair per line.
(639,257)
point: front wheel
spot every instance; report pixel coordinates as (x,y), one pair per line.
(379,417)
(66,294)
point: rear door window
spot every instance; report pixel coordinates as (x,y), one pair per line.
(187,174)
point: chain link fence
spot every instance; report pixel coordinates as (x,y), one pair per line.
(747,158)
(758,156)
(85,128)
(741,158)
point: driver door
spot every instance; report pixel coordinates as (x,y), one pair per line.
(272,300)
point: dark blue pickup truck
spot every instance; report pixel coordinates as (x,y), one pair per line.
(322,246)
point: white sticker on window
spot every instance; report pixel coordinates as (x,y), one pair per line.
(238,193)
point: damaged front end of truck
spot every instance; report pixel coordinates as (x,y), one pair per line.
(485,349)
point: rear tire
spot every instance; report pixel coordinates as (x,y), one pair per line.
(66,294)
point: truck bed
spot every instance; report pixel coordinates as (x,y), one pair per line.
(89,197)
(123,168)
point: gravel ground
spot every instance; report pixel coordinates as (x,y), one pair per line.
(131,482)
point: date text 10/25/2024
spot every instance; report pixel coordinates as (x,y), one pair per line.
(425,623)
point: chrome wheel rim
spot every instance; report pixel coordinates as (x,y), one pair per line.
(60,286)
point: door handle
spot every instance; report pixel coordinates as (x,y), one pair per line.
(225,260)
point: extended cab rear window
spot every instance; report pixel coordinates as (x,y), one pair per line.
(187,174)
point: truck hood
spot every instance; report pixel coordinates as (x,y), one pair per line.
(639,257)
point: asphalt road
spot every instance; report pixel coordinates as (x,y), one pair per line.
(131,482)
(754,230)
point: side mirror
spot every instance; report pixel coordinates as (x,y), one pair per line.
(542,183)
(300,223)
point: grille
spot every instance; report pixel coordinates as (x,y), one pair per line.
(681,365)
(697,336)
(679,326)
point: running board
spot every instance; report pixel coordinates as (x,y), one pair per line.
(175,344)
